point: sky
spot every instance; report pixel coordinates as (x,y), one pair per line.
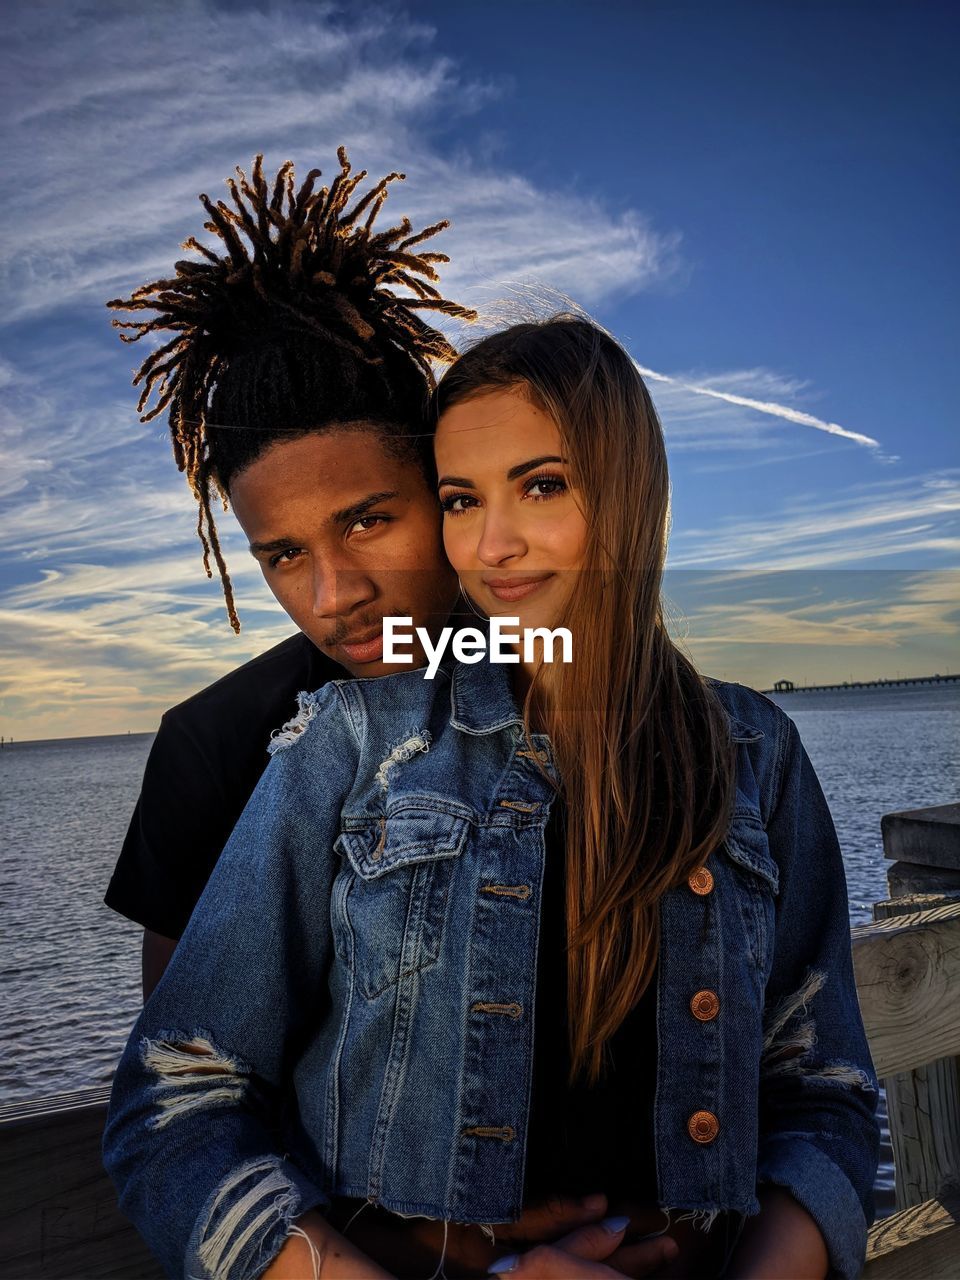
(754,198)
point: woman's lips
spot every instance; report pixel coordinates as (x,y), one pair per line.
(363,651)
(515,588)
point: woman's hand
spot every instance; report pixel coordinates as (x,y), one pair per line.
(547,1220)
(586,1254)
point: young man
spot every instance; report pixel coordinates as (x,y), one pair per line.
(297,383)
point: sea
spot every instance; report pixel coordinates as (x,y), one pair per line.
(70,968)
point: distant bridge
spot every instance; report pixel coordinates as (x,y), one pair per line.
(787,686)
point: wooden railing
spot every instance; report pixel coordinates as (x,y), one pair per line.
(908,978)
(58,1210)
(58,1214)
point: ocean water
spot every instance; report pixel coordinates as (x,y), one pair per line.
(70,968)
(877,751)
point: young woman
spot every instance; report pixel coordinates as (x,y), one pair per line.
(524,930)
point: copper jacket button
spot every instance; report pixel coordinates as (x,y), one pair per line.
(705,1006)
(703,1126)
(701,881)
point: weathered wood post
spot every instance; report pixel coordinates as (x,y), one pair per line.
(924,847)
(923,1106)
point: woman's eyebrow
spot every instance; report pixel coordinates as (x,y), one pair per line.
(514,473)
(522,468)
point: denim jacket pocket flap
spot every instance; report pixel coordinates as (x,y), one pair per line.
(374,846)
(746,844)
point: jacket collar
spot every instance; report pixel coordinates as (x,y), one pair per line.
(481,701)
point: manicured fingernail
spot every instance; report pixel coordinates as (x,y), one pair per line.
(503,1264)
(614,1225)
(594,1202)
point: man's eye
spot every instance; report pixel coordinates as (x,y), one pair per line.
(285,556)
(367,522)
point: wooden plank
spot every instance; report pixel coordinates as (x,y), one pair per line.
(905,878)
(921,1243)
(53,1104)
(58,1212)
(908,972)
(923,1106)
(929,836)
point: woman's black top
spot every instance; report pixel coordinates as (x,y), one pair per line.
(596,1138)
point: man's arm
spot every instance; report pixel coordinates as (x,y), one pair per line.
(193,1140)
(157,951)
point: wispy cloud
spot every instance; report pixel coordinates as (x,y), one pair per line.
(769,407)
(907,517)
(128,113)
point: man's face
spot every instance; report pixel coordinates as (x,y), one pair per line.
(346,534)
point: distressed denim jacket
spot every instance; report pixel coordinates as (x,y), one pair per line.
(351,1008)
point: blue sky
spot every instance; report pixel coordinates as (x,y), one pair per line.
(755,198)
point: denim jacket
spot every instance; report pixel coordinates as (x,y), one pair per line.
(351,1012)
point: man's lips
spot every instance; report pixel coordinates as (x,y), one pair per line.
(364,649)
(517,588)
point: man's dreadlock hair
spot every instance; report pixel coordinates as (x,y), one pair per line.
(294,327)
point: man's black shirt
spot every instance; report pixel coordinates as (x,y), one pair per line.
(207,758)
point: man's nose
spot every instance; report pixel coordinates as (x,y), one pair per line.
(338,591)
(500,540)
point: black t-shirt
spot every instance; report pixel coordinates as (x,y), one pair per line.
(207,758)
(597,1138)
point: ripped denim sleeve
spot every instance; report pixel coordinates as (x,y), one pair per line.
(190,1117)
(247,1221)
(789,1040)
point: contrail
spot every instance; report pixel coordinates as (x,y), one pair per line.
(765,406)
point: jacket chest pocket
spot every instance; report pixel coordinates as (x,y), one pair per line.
(757,880)
(398,897)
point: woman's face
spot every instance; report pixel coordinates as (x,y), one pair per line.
(512,525)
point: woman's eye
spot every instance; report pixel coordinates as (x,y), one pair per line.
(540,487)
(284,557)
(457,503)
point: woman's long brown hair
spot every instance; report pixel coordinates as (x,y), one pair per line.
(641,741)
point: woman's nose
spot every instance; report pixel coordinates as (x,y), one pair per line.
(501,540)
